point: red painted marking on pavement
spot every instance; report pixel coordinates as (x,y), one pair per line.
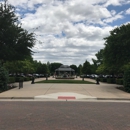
(65,97)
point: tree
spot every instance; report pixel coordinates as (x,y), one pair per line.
(117,49)
(99,56)
(54,66)
(15,42)
(40,68)
(93,68)
(45,69)
(75,68)
(101,69)
(97,63)
(24,66)
(79,69)
(48,66)
(86,68)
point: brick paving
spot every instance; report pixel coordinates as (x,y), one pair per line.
(64,115)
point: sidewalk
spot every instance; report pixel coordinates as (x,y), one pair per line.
(103,91)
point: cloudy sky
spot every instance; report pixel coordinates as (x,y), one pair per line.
(70,31)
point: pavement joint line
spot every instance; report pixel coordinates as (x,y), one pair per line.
(48,89)
(86,90)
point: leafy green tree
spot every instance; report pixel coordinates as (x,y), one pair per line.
(86,68)
(99,56)
(45,69)
(10,67)
(40,68)
(79,69)
(48,67)
(97,63)
(15,42)
(25,66)
(75,68)
(125,67)
(117,49)
(54,66)
(93,68)
(101,69)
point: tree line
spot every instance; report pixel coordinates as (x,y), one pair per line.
(16,47)
(114,58)
(16,52)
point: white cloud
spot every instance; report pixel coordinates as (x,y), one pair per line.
(114,18)
(113,12)
(115,2)
(71,31)
(128,11)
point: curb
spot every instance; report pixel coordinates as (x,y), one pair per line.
(113,98)
(16,97)
(124,99)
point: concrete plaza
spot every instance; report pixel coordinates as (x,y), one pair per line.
(54,91)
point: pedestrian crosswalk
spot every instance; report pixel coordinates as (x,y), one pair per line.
(64,95)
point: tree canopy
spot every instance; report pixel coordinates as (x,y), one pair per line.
(15,42)
(86,68)
(54,66)
(74,67)
(117,48)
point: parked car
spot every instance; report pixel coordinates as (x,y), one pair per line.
(36,75)
(29,75)
(83,76)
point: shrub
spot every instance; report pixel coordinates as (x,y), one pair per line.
(103,79)
(3,78)
(127,80)
(119,81)
(19,79)
(26,78)
(111,80)
(11,80)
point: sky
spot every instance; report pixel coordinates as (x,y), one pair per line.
(70,31)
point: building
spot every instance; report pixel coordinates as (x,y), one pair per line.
(65,71)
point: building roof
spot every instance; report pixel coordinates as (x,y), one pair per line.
(64,68)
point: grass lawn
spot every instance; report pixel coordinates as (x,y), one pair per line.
(66,81)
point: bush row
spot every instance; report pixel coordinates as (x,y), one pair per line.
(18,79)
(111,80)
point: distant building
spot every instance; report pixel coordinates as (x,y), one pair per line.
(65,71)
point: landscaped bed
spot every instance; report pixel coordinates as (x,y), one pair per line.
(66,81)
(8,88)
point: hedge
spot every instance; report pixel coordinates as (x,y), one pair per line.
(119,81)
(11,80)
(111,80)
(103,79)
(18,79)
(27,78)
(127,80)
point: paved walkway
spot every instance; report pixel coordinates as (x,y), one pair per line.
(51,91)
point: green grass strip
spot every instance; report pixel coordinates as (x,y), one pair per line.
(66,81)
